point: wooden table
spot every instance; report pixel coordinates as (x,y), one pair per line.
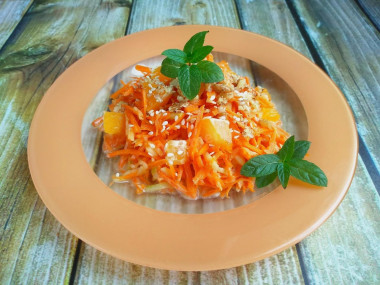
(40,39)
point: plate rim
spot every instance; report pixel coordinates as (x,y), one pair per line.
(219,264)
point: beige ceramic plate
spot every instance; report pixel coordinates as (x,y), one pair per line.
(93,212)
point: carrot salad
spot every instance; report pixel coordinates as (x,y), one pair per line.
(166,143)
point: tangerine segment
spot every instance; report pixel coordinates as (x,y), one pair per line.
(114,123)
(216,132)
(271,114)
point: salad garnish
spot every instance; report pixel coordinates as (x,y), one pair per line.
(287,162)
(196,128)
(190,67)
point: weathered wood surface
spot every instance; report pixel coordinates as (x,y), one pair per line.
(274,20)
(349,47)
(35,248)
(95,266)
(372,10)
(11,12)
(346,249)
(100,268)
(320,269)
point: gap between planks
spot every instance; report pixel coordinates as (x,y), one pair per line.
(370,14)
(363,149)
(315,56)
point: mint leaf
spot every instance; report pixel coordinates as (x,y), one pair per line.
(189,78)
(287,162)
(188,66)
(263,181)
(307,172)
(287,150)
(200,54)
(170,67)
(176,55)
(260,165)
(283,171)
(211,72)
(195,42)
(300,149)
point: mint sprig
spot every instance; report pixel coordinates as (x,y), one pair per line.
(287,162)
(190,68)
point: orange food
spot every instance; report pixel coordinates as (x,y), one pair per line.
(216,132)
(113,142)
(114,123)
(271,114)
(166,143)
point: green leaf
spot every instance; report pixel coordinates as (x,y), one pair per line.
(200,54)
(211,72)
(263,181)
(287,150)
(283,171)
(195,42)
(260,165)
(307,172)
(189,78)
(300,149)
(170,67)
(176,55)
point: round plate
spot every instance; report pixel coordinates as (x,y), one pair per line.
(97,215)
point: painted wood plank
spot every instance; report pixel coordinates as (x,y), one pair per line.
(324,251)
(274,20)
(346,249)
(349,47)
(149,14)
(11,13)
(35,248)
(97,267)
(372,10)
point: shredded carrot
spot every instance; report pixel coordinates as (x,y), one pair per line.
(191,108)
(189,179)
(97,122)
(143,69)
(251,147)
(143,94)
(133,121)
(164,139)
(156,163)
(129,175)
(132,110)
(203,149)
(173,183)
(179,173)
(194,137)
(127,152)
(176,122)
(125,90)
(139,186)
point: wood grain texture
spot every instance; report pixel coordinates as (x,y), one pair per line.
(99,268)
(11,13)
(96,267)
(149,14)
(274,20)
(372,10)
(35,248)
(321,254)
(346,249)
(349,47)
